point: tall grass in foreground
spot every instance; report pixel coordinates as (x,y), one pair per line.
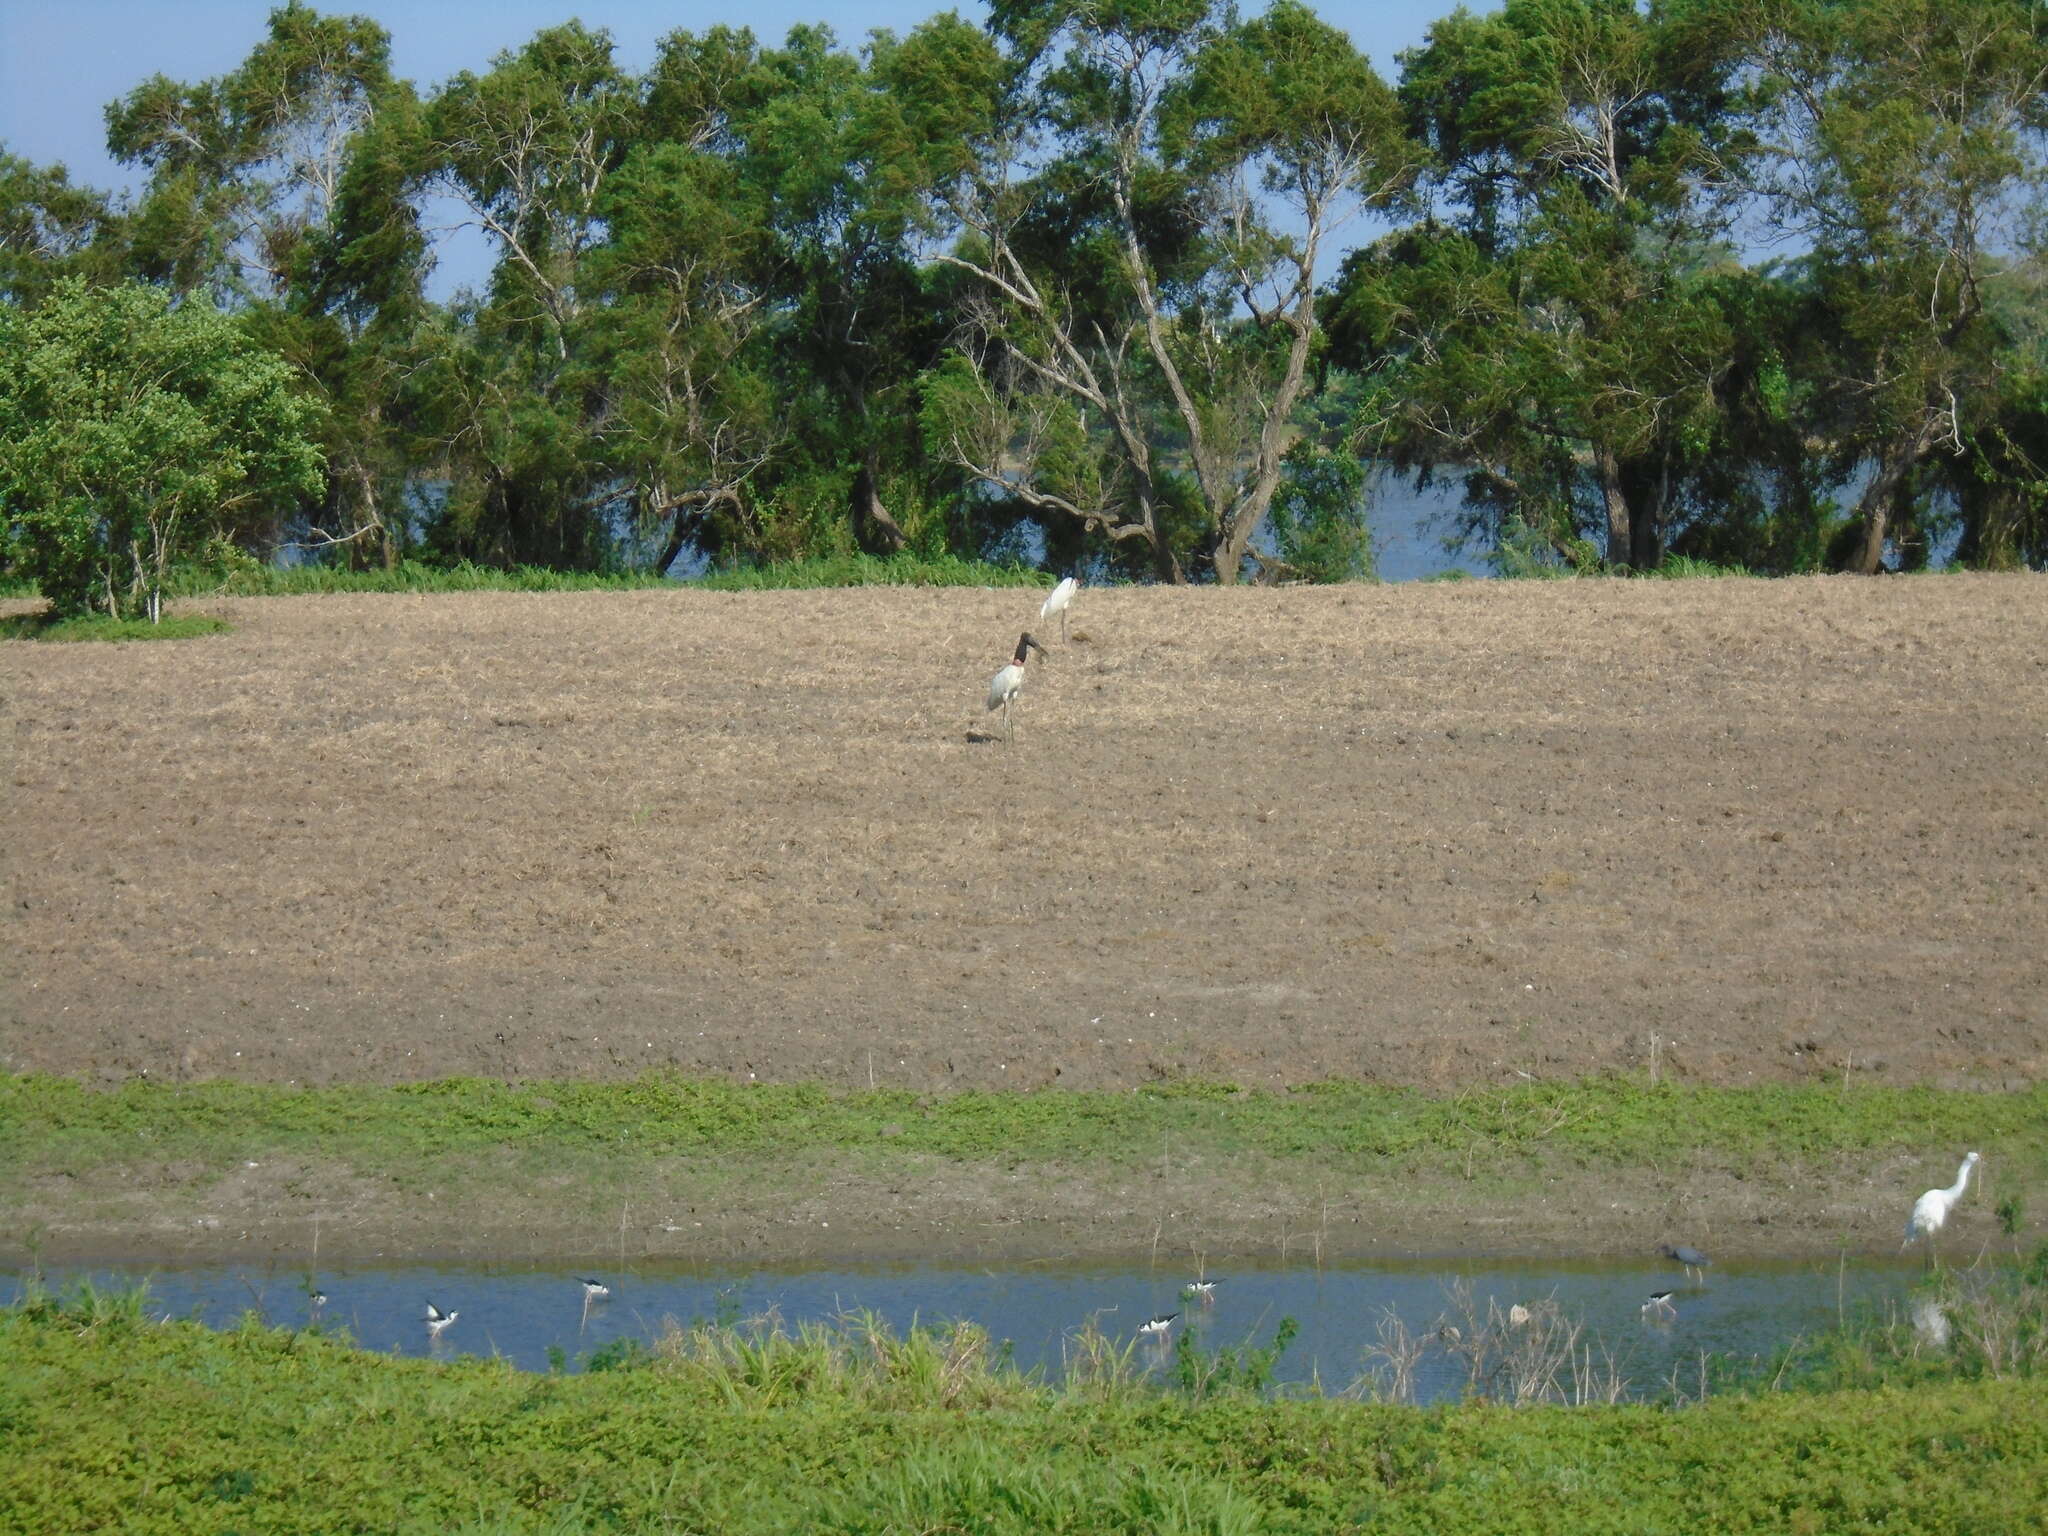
(114,1422)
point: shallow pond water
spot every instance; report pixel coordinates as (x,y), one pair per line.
(533,1317)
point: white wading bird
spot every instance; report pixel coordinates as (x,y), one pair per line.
(1932,1208)
(437,1320)
(1062,597)
(1005,685)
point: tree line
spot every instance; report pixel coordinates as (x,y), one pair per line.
(1144,286)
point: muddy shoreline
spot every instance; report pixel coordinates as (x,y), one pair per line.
(1015,1217)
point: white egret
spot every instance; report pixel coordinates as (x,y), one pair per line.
(1932,1208)
(437,1320)
(1062,597)
(1006,684)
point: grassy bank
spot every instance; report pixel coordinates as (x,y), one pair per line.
(544,1156)
(49,1123)
(113,1421)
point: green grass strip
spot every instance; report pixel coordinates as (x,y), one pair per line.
(57,1124)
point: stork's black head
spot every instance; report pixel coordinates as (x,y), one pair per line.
(1026,645)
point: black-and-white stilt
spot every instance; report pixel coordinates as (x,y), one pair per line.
(1155,1328)
(1203,1291)
(1061,599)
(438,1321)
(1660,1303)
(594,1290)
(1004,687)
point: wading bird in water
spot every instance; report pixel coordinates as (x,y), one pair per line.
(1932,1208)
(1660,1303)
(1156,1327)
(1061,599)
(1693,1260)
(437,1320)
(1004,687)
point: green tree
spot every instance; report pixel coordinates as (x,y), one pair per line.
(1910,144)
(131,431)
(263,185)
(1554,334)
(1156,186)
(49,229)
(506,381)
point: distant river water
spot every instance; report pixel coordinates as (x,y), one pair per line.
(526,1315)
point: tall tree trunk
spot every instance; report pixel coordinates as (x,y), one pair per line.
(1620,534)
(1880,496)
(1646,517)
(873,528)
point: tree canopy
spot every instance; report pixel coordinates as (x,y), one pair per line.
(1159,288)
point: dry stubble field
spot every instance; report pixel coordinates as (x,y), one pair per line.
(1436,835)
(1442,836)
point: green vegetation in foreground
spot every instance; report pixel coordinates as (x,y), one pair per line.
(97,626)
(242,577)
(113,1421)
(249,578)
(903,570)
(606,1134)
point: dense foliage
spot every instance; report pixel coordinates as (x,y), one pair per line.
(1149,288)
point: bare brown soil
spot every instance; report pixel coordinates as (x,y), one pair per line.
(1436,835)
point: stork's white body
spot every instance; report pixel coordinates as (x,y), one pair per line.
(1057,603)
(1004,687)
(1931,1210)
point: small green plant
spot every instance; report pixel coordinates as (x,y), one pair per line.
(1201,1373)
(2011,1211)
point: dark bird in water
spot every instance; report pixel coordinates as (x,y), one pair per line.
(1693,1260)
